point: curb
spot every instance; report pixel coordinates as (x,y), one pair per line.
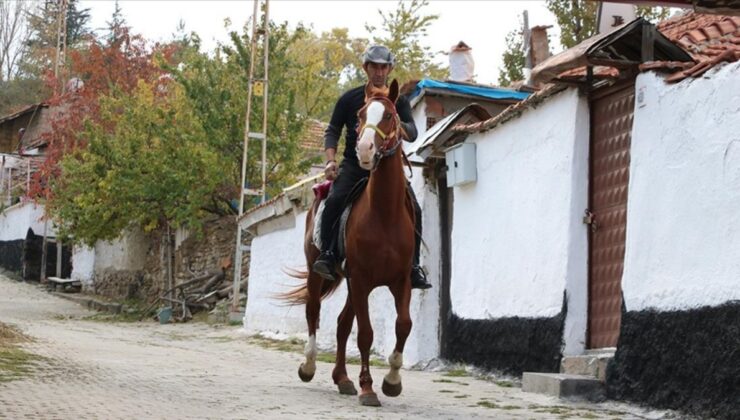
(91,303)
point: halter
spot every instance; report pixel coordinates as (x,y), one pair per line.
(391,140)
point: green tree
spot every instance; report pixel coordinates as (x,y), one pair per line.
(513,59)
(577,18)
(654,14)
(322,64)
(147,164)
(117,24)
(403,32)
(217,87)
(43,41)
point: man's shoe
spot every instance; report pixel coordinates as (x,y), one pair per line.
(324,265)
(418,278)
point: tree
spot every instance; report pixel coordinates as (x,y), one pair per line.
(116,25)
(404,29)
(45,26)
(103,68)
(217,87)
(322,64)
(577,18)
(14,34)
(16,87)
(147,164)
(513,59)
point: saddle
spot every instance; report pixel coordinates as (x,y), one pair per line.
(321,191)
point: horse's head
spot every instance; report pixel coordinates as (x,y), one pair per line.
(379,130)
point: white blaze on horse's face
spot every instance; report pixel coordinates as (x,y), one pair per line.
(366,147)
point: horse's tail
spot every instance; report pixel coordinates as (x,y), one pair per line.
(299,295)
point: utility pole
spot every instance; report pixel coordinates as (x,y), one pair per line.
(59,59)
(258,86)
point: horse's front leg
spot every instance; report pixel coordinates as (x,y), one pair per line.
(392,381)
(313,308)
(344,328)
(364,342)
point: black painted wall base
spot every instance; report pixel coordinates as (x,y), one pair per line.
(511,345)
(11,255)
(685,360)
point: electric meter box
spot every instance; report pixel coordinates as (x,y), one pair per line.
(461,168)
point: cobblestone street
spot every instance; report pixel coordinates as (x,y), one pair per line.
(89,369)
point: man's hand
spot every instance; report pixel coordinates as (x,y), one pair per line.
(331,170)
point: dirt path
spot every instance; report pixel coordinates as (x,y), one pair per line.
(101,370)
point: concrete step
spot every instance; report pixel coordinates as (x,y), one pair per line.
(590,364)
(563,385)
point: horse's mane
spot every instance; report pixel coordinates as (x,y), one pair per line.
(374,92)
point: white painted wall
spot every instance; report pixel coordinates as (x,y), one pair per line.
(15,221)
(83,265)
(683,216)
(126,253)
(281,249)
(518,241)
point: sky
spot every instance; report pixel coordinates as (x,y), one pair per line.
(483,25)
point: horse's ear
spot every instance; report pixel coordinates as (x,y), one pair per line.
(393,92)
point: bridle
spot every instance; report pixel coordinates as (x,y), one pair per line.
(391,139)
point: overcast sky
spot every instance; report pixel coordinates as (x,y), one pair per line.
(481,24)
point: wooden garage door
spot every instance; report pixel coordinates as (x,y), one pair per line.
(611,127)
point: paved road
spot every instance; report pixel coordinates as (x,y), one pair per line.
(114,370)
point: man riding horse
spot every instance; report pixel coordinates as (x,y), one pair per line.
(378,62)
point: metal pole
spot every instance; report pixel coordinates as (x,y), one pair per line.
(238,250)
(266,36)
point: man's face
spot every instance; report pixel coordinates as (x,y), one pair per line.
(377,73)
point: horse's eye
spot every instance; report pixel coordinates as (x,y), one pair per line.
(388,116)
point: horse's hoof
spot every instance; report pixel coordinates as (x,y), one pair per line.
(347,388)
(304,377)
(391,390)
(370,400)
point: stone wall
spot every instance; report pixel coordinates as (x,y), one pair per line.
(211,250)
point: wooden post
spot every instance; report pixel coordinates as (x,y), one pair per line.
(28,177)
(42,277)
(59,258)
(170,279)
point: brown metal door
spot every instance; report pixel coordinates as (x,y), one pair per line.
(611,127)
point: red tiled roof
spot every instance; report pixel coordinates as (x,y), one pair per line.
(512,111)
(579,73)
(710,39)
(313,141)
(703,36)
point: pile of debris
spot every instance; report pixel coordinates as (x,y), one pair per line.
(202,293)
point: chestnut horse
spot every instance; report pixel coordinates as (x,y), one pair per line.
(379,250)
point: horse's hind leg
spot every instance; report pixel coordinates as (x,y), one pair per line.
(392,381)
(313,308)
(344,327)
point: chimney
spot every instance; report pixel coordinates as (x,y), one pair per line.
(462,66)
(540,45)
